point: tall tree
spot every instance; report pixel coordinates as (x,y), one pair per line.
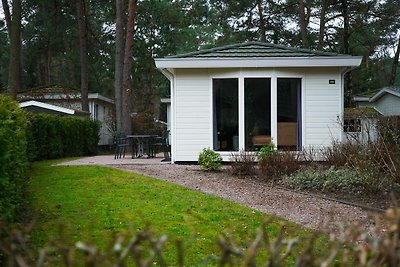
(263,37)
(303,23)
(126,93)
(82,25)
(322,21)
(119,63)
(7,15)
(14,77)
(395,64)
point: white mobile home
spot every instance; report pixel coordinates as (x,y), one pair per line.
(246,95)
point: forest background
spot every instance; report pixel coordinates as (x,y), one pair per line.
(80,43)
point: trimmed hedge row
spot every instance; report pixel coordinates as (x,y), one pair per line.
(13,160)
(36,137)
(52,137)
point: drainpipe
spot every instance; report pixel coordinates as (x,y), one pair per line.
(171,77)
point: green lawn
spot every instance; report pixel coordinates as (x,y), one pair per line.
(93,204)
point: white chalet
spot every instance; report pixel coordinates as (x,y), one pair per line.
(244,96)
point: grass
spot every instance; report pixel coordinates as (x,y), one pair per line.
(93,204)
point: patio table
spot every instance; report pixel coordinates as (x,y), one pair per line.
(143,144)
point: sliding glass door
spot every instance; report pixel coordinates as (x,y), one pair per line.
(257,126)
(289,113)
(257,116)
(226,114)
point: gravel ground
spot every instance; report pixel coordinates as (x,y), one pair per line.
(308,211)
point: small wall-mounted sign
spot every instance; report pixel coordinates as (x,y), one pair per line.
(331,81)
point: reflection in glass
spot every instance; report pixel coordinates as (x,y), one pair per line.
(226,114)
(257,93)
(289,113)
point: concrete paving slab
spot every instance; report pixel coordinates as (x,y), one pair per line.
(108,160)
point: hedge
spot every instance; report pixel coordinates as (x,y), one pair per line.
(13,159)
(52,137)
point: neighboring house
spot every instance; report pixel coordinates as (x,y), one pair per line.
(360,124)
(386,100)
(246,95)
(100,107)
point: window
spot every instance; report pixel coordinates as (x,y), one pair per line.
(289,113)
(226,114)
(257,108)
(352,125)
(96,112)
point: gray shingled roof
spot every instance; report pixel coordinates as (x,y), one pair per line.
(253,50)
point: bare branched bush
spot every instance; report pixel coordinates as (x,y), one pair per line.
(243,163)
(279,164)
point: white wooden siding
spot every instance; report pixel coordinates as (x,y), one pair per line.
(322,107)
(192,114)
(193,105)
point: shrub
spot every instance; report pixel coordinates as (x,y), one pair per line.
(334,179)
(378,159)
(243,163)
(52,137)
(13,160)
(278,164)
(210,160)
(266,151)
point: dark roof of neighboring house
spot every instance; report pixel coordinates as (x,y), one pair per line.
(56,91)
(371,96)
(53,89)
(255,49)
(361,112)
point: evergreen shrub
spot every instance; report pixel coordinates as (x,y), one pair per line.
(13,159)
(210,160)
(51,136)
(333,179)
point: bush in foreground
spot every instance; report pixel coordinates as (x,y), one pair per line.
(210,160)
(353,247)
(13,160)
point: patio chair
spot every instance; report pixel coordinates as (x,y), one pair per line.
(121,143)
(162,143)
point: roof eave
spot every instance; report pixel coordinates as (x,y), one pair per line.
(42,105)
(361,98)
(345,61)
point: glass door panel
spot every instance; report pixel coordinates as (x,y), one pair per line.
(289,113)
(257,105)
(226,114)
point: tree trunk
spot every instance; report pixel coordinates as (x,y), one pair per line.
(346,50)
(346,26)
(324,6)
(14,77)
(126,104)
(303,24)
(7,15)
(263,37)
(82,24)
(395,64)
(119,63)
